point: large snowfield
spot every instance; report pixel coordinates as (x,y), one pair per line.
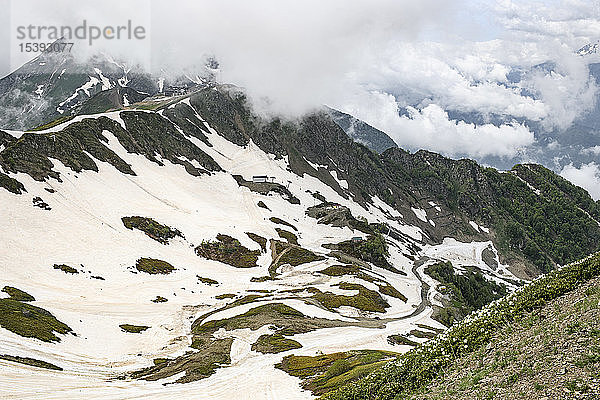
(84,230)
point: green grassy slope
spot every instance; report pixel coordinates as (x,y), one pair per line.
(418,368)
(551,353)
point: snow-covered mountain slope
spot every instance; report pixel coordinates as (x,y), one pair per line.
(329,257)
(84,229)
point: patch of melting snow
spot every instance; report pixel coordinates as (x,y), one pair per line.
(387,209)
(85,88)
(186,101)
(116,116)
(474,225)
(421,214)
(15,134)
(479,228)
(106,84)
(342,182)
(434,205)
(314,165)
(463,255)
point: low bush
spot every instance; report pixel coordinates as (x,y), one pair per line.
(279,221)
(30,361)
(325,372)
(133,328)
(65,268)
(374,250)
(365,300)
(275,343)
(207,281)
(30,321)
(288,236)
(262,242)
(160,233)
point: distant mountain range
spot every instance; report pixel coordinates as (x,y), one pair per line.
(361,132)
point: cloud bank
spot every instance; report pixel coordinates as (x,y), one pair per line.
(587,177)
(431,128)
(298,55)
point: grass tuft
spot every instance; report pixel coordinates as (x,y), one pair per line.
(228,251)
(65,268)
(30,321)
(154,266)
(30,361)
(133,328)
(17,294)
(160,233)
(275,343)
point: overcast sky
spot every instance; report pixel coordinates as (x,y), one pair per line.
(365,57)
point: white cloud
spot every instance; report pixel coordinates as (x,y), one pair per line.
(567,92)
(574,22)
(469,77)
(298,54)
(592,150)
(587,176)
(431,128)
